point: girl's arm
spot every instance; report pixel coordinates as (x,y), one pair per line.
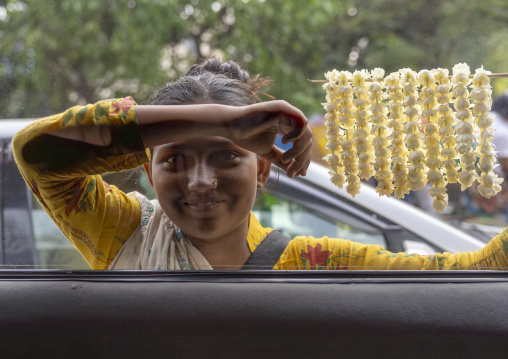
(254,127)
(65,176)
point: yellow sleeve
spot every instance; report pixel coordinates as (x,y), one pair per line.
(338,254)
(65,176)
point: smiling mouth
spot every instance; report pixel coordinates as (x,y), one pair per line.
(202,207)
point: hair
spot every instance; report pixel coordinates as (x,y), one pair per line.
(500,105)
(212,81)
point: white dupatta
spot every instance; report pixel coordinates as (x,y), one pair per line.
(157,244)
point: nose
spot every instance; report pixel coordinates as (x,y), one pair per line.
(201,177)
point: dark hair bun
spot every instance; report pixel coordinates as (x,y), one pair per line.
(215,65)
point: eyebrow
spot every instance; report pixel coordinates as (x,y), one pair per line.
(182,146)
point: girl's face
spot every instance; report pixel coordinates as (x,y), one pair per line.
(207,186)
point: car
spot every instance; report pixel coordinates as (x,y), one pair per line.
(52,305)
(309,205)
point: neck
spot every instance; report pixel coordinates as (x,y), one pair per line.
(229,252)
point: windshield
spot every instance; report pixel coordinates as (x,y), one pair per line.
(74,213)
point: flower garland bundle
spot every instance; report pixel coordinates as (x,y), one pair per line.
(481,97)
(333,132)
(432,141)
(412,130)
(407,121)
(464,127)
(361,135)
(379,132)
(397,147)
(346,115)
(446,122)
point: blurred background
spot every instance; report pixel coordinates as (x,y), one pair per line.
(56,54)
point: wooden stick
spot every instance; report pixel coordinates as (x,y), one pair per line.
(492,76)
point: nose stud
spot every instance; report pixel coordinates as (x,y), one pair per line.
(214,181)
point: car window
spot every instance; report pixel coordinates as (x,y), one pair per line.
(54,251)
(56,55)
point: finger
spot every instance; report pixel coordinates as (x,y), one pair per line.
(303,171)
(274,156)
(299,146)
(300,163)
(296,133)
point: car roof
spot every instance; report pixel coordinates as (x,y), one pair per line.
(8,128)
(426,226)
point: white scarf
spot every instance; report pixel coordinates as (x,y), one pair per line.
(157,243)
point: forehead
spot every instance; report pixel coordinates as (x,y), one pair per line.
(199,144)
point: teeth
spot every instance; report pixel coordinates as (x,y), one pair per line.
(203,204)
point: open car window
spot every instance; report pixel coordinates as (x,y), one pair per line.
(56,55)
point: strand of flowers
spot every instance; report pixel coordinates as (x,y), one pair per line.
(481,97)
(346,114)
(446,123)
(397,147)
(464,128)
(333,132)
(361,135)
(416,168)
(379,132)
(431,141)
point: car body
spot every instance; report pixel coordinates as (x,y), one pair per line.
(309,205)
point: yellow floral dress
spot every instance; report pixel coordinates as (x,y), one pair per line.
(115,230)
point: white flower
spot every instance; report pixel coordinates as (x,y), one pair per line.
(479,95)
(443,89)
(337,179)
(440,204)
(480,109)
(484,121)
(460,91)
(487,134)
(462,103)
(466,179)
(437,191)
(411,112)
(331,159)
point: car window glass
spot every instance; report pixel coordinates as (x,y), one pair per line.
(294,219)
(54,251)
(56,55)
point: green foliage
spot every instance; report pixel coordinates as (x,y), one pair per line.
(54,54)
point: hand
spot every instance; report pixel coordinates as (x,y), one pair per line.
(256,128)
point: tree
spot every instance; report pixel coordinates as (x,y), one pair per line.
(55,54)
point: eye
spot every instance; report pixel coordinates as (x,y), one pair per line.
(224,158)
(227,155)
(172,161)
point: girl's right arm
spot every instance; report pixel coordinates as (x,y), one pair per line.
(65,176)
(253,127)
